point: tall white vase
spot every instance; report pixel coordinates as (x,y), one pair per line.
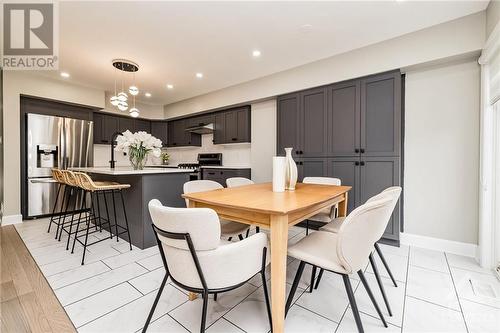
(291,170)
(279,166)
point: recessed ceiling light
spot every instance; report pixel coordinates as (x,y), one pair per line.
(64,74)
(199,75)
(147,94)
(170,86)
(256,53)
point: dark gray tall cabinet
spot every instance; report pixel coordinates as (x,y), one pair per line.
(350,130)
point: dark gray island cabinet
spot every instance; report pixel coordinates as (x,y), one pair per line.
(151,183)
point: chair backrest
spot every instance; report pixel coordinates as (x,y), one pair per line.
(70,178)
(194,186)
(238,181)
(322,181)
(360,230)
(84,181)
(202,225)
(393,192)
(58,175)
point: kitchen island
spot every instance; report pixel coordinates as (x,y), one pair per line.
(164,184)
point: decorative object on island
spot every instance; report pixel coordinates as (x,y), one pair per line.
(164,158)
(279,166)
(290,171)
(120,100)
(138,145)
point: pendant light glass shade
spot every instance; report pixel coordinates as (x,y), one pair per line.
(122,97)
(114,100)
(134,112)
(133,90)
(122,106)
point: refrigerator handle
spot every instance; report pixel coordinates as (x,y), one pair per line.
(62,148)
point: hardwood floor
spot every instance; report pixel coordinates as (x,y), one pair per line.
(28,304)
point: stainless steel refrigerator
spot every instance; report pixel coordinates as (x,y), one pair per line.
(53,142)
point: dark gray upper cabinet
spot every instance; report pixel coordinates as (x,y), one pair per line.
(142,125)
(313,119)
(381,115)
(126,124)
(347,169)
(104,127)
(232,126)
(179,137)
(159,130)
(288,123)
(344,118)
(98,128)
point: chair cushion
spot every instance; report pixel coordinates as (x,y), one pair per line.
(232,229)
(323,216)
(319,249)
(333,226)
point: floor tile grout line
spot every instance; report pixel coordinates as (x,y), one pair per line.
(74,282)
(137,262)
(436,304)
(229,321)
(168,314)
(317,314)
(106,264)
(478,303)
(406,289)
(472,271)
(143,294)
(115,309)
(430,269)
(456,293)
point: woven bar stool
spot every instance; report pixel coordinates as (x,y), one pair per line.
(95,188)
(59,178)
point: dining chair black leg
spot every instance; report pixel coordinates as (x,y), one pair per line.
(294,286)
(307,227)
(204,311)
(313,276)
(352,302)
(240,236)
(264,286)
(215,297)
(229,239)
(381,255)
(380,285)
(151,312)
(372,298)
(320,275)
(257,230)
(248,233)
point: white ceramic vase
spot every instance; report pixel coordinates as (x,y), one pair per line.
(279,166)
(291,170)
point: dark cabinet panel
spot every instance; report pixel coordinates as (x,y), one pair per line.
(142,125)
(243,124)
(179,137)
(288,123)
(381,115)
(344,119)
(348,171)
(313,121)
(98,128)
(311,167)
(126,124)
(232,126)
(377,174)
(221,174)
(159,130)
(219,128)
(111,126)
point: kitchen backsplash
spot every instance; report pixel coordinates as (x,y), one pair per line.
(232,154)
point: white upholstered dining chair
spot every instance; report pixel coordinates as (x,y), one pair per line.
(394,193)
(328,214)
(197,260)
(229,229)
(345,252)
(240,181)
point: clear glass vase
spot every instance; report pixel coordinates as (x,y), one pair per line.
(137,158)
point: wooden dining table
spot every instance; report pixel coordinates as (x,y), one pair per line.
(258,205)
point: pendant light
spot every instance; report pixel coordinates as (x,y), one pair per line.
(133,90)
(134,112)
(120,100)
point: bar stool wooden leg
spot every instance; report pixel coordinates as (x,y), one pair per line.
(126,220)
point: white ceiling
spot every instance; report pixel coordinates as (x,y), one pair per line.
(171,41)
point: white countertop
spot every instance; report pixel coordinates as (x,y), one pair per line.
(224,167)
(130,171)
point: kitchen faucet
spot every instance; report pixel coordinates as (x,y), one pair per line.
(113,144)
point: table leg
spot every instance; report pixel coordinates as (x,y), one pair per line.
(279,239)
(343,206)
(192,296)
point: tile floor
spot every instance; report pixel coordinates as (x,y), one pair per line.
(114,290)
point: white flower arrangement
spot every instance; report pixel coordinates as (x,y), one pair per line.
(138,145)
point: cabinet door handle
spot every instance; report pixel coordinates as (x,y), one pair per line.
(297,152)
(356,151)
(211,173)
(362,163)
(301,152)
(362,150)
(356,163)
(234,139)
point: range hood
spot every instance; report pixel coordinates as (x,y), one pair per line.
(201,128)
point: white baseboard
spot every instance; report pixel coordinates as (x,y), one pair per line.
(12,219)
(438,244)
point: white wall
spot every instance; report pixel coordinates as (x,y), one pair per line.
(450,39)
(263,140)
(28,83)
(442,152)
(492,16)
